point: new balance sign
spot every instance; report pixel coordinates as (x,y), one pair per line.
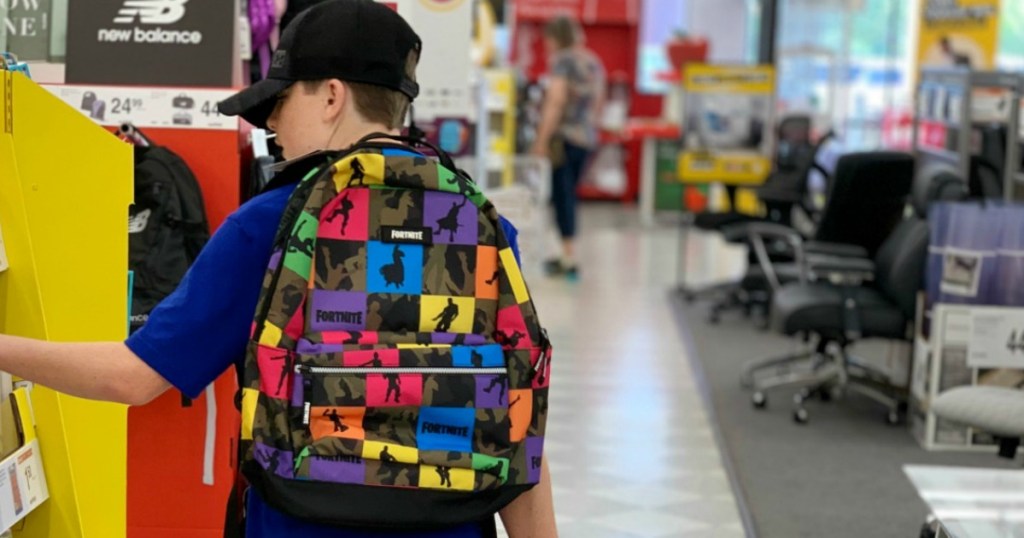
(151,11)
(157,35)
(157,42)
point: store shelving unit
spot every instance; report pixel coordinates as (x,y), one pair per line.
(953,107)
(66,187)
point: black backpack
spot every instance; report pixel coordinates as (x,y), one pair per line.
(167,227)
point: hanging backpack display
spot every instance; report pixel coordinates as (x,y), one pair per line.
(167,227)
(398,374)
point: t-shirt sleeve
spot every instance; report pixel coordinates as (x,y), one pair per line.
(202,328)
(512,234)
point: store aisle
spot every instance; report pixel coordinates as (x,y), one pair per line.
(631,450)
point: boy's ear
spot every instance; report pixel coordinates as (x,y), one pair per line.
(337,94)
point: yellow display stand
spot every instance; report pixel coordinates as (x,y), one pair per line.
(715,152)
(501,108)
(65,187)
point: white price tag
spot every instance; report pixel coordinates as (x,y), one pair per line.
(244,38)
(179,108)
(961,271)
(997,338)
(990,105)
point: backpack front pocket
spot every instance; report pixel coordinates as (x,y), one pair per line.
(438,427)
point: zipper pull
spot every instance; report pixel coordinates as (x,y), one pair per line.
(540,369)
(307,394)
(537,369)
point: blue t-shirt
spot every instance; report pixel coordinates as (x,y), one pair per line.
(201,329)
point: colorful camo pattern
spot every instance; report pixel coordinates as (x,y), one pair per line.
(345,298)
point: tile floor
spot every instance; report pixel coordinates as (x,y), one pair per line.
(630,446)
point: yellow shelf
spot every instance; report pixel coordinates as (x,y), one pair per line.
(66,187)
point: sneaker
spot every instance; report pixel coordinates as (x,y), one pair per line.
(553,267)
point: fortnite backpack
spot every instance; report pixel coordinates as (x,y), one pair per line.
(167,227)
(397,375)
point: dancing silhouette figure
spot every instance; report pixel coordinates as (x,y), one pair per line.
(343,210)
(358,173)
(447,316)
(339,426)
(445,474)
(450,222)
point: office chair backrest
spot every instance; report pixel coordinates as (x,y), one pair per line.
(986,179)
(868,194)
(931,179)
(988,162)
(940,185)
(790,183)
(794,142)
(900,262)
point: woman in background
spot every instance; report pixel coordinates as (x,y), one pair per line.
(568,127)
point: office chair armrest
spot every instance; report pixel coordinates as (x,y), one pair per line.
(840,271)
(778,195)
(736,233)
(774,232)
(760,233)
(835,249)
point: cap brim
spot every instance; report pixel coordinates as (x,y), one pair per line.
(256,103)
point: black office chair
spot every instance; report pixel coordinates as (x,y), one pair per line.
(986,181)
(843,300)
(785,191)
(872,184)
(785,187)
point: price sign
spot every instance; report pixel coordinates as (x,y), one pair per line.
(124,105)
(182,108)
(997,338)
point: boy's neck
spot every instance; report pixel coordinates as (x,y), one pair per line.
(345,138)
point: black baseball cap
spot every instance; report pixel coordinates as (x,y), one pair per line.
(351,40)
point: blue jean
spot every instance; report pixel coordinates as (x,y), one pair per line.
(564,181)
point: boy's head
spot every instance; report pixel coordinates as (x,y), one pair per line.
(343,68)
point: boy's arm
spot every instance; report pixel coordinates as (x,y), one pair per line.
(532,514)
(96,370)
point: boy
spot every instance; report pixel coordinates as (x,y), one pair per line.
(344,69)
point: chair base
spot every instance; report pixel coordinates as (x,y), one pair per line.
(728,297)
(828,371)
(724,297)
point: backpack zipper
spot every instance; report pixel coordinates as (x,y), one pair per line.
(307,381)
(300,369)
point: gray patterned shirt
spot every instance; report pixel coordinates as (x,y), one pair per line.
(586,78)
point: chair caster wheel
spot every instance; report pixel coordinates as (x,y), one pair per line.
(759,400)
(800,416)
(825,395)
(714,318)
(689,298)
(893,418)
